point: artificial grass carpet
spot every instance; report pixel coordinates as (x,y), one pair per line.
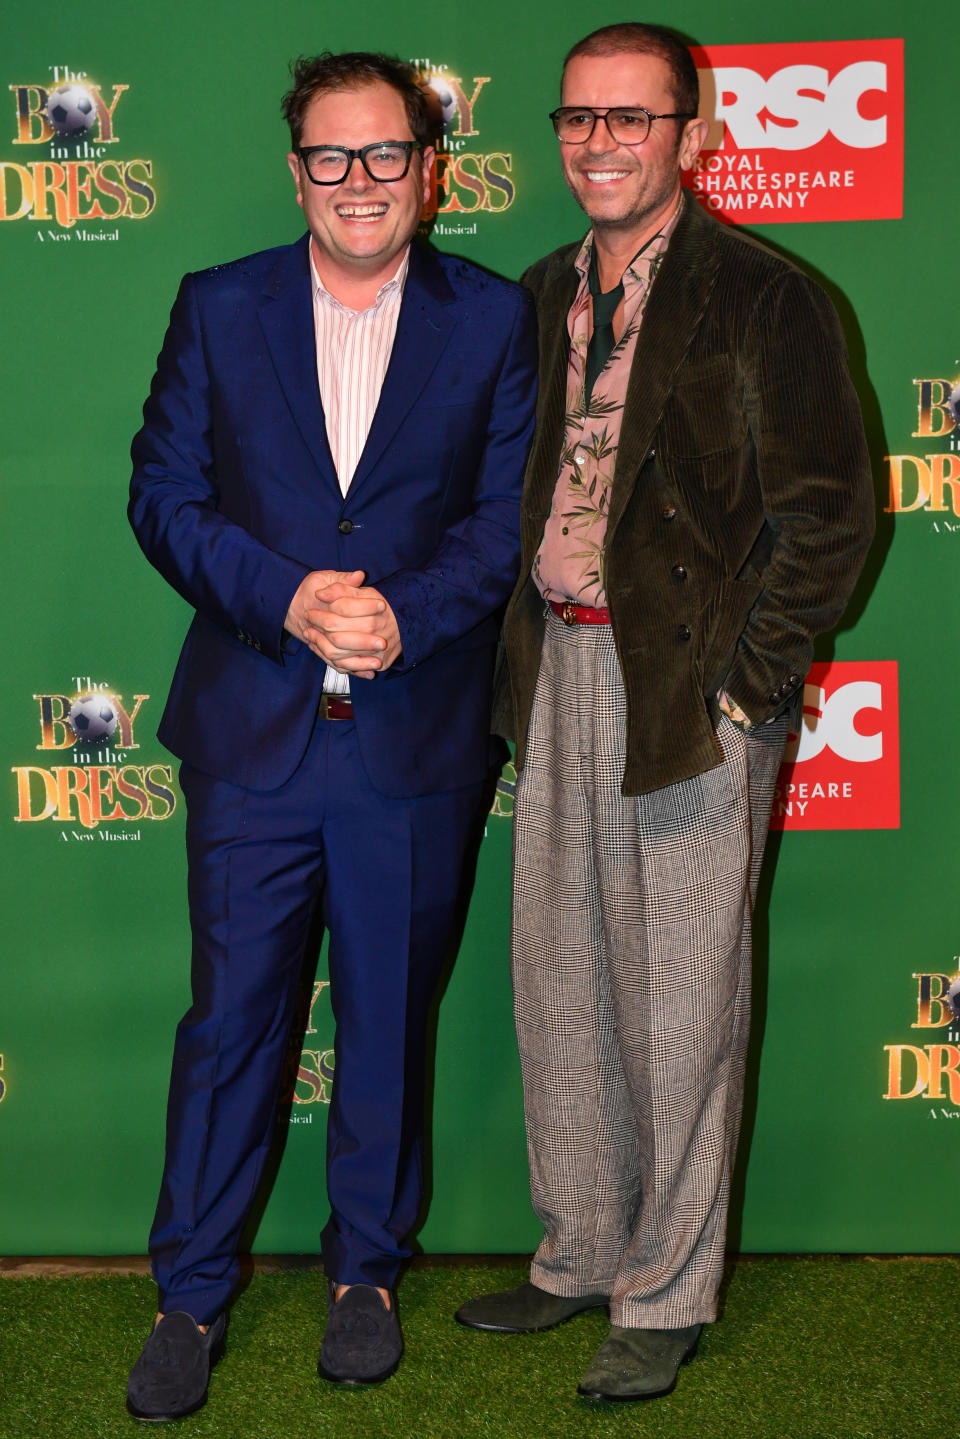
(809,1348)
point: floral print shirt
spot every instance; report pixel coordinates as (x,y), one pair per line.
(570,562)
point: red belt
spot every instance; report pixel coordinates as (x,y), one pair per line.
(572,614)
(336,707)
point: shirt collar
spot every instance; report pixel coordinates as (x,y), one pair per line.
(389,287)
(656,246)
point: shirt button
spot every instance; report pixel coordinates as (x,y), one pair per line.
(579,459)
(345,527)
(564,531)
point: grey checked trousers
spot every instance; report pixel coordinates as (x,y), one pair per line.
(631,972)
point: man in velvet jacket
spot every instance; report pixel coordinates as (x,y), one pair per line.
(696,509)
(329,472)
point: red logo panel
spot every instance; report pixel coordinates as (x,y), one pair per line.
(801,131)
(843,769)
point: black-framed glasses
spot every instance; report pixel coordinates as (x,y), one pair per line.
(384,160)
(626,124)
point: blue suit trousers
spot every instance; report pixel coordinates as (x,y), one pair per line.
(388,874)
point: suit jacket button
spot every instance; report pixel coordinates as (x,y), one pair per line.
(684,633)
(668,512)
(345,527)
(678,574)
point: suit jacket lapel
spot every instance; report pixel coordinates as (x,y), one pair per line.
(676,305)
(286,317)
(424,328)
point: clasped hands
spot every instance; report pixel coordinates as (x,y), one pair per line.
(346,623)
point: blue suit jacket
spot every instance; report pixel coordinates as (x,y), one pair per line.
(235,499)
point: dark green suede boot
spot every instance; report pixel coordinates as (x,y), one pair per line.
(524,1310)
(639,1363)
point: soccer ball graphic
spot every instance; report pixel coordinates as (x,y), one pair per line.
(93,717)
(448,101)
(71,110)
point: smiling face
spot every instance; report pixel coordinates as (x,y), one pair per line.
(627,188)
(361,226)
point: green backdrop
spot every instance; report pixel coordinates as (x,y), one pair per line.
(95,937)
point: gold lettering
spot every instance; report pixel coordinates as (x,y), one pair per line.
(465,106)
(105,111)
(54,730)
(24,774)
(944,471)
(934,399)
(931,990)
(895,1077)
(315,1071)
(896,463)
(319,985)
(49,179)
(944,1059)
(31,103)
(73,784)
(22,176)
(126,720)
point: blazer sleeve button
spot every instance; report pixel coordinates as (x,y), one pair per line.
(345,527)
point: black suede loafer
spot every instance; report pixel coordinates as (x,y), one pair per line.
(170,1378)
(524,1310)
(639,1363)
(362,1343)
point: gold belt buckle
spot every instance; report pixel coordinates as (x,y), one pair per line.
(569,613)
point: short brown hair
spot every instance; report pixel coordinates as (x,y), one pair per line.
(314,75)
(633,38)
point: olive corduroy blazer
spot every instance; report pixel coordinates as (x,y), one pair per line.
(741,508)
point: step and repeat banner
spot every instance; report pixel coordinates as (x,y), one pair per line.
(136,145)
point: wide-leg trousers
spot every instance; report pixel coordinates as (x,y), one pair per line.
(388,875)
(631,969)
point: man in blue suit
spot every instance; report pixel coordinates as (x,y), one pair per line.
(329,472)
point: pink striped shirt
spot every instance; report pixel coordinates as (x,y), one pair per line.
(353,352)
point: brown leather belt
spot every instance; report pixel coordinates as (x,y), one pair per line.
(336,707)
(572,614)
